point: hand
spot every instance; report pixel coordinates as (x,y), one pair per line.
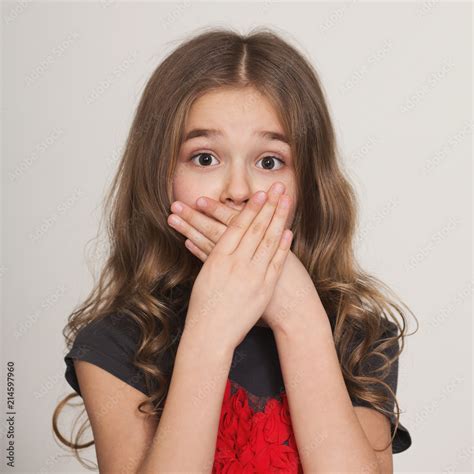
(294,290)
(243,267)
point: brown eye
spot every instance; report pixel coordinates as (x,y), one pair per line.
(203,158)
(267,162)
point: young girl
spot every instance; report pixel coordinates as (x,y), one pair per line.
(236,335)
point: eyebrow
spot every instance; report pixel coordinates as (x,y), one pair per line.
(209,133)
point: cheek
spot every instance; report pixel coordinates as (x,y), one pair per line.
(181,186)
(289,179)
(187,189)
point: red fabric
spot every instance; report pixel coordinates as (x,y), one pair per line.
(249,442)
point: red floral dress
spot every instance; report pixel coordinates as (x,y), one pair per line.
(255,434)
(255,442)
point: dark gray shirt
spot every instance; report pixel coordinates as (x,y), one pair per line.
(111,342)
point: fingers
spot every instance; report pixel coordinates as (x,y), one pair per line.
(204,232)
(274,234)
(275,267)
(239,225)
(257,229)
(195,250)
(208,229)
(188,231)
(217,210)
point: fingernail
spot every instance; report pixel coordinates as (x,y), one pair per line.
(176,207)
(201,202)
(279,188)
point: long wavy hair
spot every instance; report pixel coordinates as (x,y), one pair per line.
(148,276)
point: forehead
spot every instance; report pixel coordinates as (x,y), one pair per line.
(232,105)
(228,111)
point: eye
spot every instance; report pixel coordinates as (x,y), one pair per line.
(267,161)
(205,160)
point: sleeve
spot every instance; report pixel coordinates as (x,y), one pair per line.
(109,343)
(402,440)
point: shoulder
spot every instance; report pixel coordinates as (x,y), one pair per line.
(111,343)
(117,330)
(100,368)
(384,342)
(380,358)
(381,364)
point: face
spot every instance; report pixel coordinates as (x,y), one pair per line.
(225,157)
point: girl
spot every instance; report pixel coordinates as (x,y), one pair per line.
(236,335)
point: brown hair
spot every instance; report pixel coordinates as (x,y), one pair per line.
(148,276)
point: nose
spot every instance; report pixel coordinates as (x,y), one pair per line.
(237,189)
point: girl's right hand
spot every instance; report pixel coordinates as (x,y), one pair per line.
(237,280)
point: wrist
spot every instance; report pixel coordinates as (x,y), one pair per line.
(200,340)
(305,323)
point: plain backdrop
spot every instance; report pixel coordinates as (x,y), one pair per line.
(398,79)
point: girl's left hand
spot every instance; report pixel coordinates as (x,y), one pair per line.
(294,290)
